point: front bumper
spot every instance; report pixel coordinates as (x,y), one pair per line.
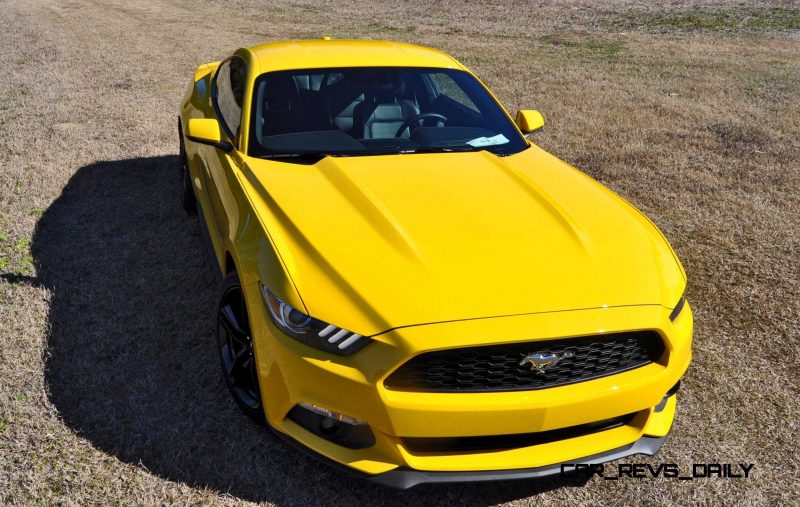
(405,478)
(291,373)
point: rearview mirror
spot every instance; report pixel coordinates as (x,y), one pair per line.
(206,131)
(529,120)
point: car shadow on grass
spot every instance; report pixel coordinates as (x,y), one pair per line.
(131,361)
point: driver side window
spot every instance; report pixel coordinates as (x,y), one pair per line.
(229,95)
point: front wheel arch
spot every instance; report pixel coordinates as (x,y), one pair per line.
(230,265)
(236,348)
(188,198)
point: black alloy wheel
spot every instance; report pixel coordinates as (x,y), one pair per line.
(235,344)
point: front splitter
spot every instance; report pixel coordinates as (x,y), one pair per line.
(405,478)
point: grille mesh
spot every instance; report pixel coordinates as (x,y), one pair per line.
(496,367)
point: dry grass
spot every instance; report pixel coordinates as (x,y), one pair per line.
(109,390)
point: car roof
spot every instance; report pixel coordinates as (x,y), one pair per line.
(326,53)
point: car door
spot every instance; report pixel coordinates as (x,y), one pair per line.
(227,97)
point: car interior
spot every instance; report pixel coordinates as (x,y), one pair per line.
(364,108)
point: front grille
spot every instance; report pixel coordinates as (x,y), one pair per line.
(514,441)
(497,367)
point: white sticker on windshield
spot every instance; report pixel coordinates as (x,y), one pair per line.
(479,142)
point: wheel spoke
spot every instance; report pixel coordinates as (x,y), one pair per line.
(236,350)
(228,318)
(239,363)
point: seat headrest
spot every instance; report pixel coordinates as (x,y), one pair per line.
(280,92)
(381,85)
(388,92)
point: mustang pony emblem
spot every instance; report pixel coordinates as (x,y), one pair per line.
(541,361)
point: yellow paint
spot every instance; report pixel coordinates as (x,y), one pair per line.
(317,54)
(660,423)
(529,120)
(432,251)
(203,130)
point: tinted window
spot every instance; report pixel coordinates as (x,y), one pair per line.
(229,94)
(446,86)
(376,110)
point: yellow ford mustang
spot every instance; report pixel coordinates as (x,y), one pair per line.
(411,290)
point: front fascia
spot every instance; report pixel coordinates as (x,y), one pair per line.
(292,373)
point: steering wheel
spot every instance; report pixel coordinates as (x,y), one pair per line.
(411,121)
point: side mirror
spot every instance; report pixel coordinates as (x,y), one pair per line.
(206,131)
(529,120)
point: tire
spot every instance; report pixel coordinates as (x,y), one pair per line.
(187,197)
(235,346)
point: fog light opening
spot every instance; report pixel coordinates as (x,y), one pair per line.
(332,426)
(328,426)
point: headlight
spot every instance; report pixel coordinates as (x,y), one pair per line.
(678,307)
(311,331)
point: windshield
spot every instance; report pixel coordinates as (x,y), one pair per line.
(376,110)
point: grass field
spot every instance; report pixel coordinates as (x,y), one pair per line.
(109,383)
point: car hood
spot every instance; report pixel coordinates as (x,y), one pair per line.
(374,243)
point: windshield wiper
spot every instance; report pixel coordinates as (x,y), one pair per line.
(307,158)
(303,155)
(447,149)
(320,155)
(313,156)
